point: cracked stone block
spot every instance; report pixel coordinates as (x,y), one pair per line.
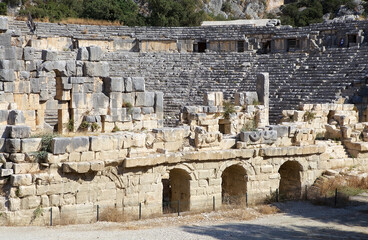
(17,157)
(80,144)
(96,69)
(95,53)
(128,84)
(4,114)
(76,80)
(82,54)
(6,172)
(159,104)
(281,130)
(31,144)
(5,40)
(10,53)
(114,84)
(12,145)
(20,131)
(16,117)
(21,180)
(28,54)
(48,55)
(7,75)
(60,145)
(136,114)
(138,84)
(3,23)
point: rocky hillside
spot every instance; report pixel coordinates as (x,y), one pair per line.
(250,9)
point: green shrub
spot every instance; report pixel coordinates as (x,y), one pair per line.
(70,125)
(309,116)
(12,3)
(174,13)
(229,109)
(304,12)
(250,125)
(129,107)
(84,126)
(125,11)
(46,140)
(115,129)
(3,9)
(95,126)
(226,7)
(54,10)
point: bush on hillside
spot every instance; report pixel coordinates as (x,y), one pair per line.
(173,13)
(3,9)
(304,12)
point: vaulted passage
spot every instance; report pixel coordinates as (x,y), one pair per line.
(176,190)
(234,184)
(290,182)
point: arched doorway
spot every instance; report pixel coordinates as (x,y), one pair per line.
(176,190)
(234,184)
(290,183)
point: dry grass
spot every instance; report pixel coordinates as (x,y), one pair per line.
(67,220)
(349,185)
(346,186)
(78,21)
(224,214)
(84,21)
(111,214)
(267,209)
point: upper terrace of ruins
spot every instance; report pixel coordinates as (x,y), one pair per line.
(310,64)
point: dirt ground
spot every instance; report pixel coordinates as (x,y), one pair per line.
(297,220)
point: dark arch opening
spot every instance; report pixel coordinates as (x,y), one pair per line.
(176,190)
(290,183)
(234,184)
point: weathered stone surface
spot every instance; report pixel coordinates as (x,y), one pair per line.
(83,54)
(138,84)
(7,75)
(20,168)
(159,104)
(25,191)
(16,117)
(114,84)
(95,53)
(97,166)
(17,157)
(83,167)
(282,131)
(13,145)
(3,23)
(5,172)
(28,54)
(48,55)
(21,180)
(20,131)
(128,84)
(60,145)
(80,144)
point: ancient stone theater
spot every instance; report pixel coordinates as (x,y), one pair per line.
(139,119)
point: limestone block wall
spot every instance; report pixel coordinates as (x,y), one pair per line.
(126,169)
(317,72)
(59,88)
(73,187)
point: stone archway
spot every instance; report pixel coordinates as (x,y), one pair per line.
(176,190)
(234,184)
(290,180)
